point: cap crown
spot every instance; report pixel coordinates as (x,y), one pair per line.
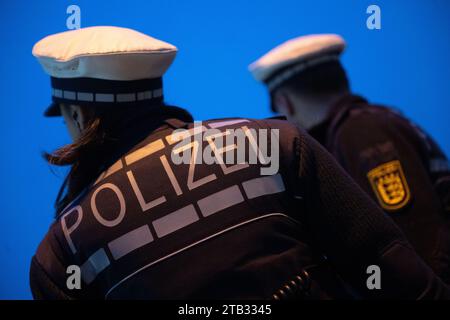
(103,52)
(294,51)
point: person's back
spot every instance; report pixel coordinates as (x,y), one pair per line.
(150,229)
(150,212)
(393,160)
(174,231)
(400,167)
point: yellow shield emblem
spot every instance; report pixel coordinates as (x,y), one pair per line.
(389,184)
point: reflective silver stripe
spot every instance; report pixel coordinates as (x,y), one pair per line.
(220,200)
(107,97)
(125,97)
(130,241)
(144,95)
(195,244)
(69,95)
(220,124)
(95,264)
(263,186)
(157,93)
(176,136)
(85,96)
(145,151)
(113,169)
(104,97)
(175,220)
(57,93)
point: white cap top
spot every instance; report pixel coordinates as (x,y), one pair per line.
(300,53)
(109,53)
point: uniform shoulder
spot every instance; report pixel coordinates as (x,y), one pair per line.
(287,136)
(267,123)
(49,262)
(365,119)
(50,246)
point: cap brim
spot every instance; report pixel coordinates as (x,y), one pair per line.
(53,110)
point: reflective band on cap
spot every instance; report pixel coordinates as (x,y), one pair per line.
(104,97)
(69,95)
(85,96)
(126,97)
(144,95)
(107,97)
(57,93)
(283,76)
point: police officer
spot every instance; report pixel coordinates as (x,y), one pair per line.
(392,159)
(144,212)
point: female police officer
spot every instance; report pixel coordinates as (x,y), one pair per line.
(139,225)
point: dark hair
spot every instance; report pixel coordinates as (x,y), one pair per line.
(325,78)
(86,155)
(107,135)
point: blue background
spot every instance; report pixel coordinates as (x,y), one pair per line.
(405,64)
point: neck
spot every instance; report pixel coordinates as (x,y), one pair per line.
(131,130)
(311,111)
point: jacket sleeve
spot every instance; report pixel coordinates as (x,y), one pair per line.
(371,146)
(354,233)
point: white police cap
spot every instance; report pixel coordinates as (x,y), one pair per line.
(103,65)
(294,56)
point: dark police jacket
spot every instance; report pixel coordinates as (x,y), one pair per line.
(400,166)
(153,228)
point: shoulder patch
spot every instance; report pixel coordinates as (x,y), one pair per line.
(390,186)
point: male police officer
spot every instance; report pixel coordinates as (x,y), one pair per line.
(393,160)
(141,224)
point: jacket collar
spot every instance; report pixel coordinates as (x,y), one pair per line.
(336,114)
